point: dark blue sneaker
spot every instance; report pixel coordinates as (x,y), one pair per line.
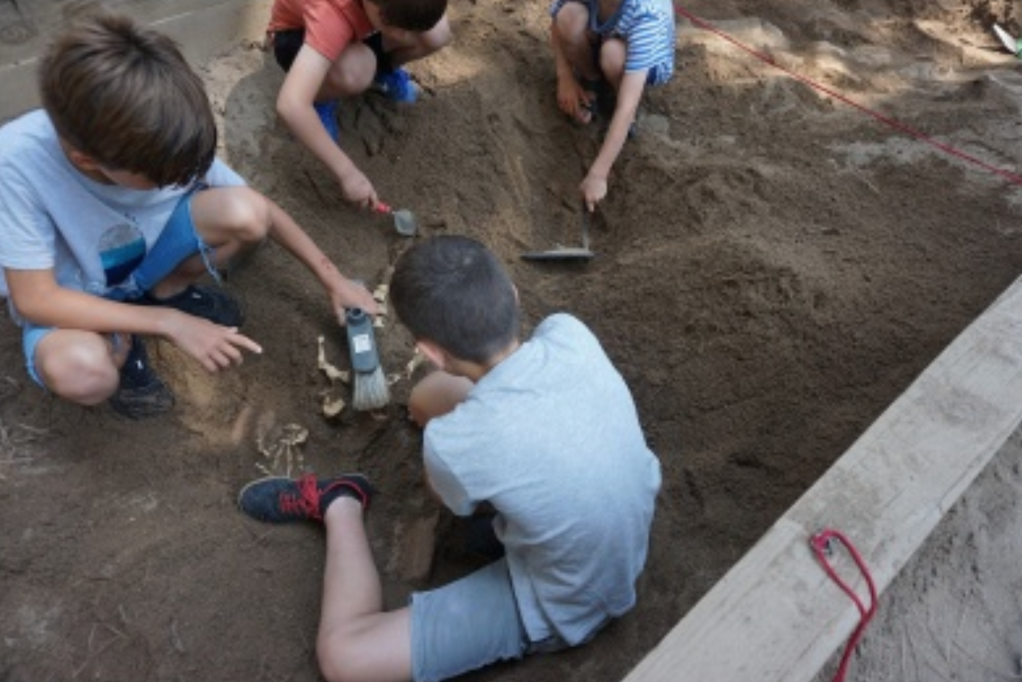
(279,499)
(209,303)
(328,116)
(397,86)
(141,392)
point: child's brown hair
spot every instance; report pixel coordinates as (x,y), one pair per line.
(411,15)
(125,96)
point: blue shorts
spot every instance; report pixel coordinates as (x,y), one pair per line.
(178,241)
(466,625)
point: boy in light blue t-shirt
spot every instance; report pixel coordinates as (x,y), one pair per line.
(113,205)
(543,432)
(627,43)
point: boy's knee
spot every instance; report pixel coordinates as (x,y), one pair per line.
(353,71)
(572,20)
(83,373)
(438,37)
(240,213)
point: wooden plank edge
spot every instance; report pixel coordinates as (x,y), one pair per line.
(776,616)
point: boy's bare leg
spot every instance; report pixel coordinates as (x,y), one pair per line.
(351,74)
(573,59)
(357,639)
(612,61)
(79,366)
(417,45)
(229,220)
(437,394)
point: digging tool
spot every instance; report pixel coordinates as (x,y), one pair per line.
(1010,44)
(404,221)
(567,252)
(369,385)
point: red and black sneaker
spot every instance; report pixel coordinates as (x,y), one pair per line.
(279,499)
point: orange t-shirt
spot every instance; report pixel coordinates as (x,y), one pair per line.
(330,25)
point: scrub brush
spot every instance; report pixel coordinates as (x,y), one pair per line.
(369,385)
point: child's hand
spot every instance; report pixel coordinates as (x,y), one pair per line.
(594,190)
(350,294)
(357,189)
(574,100)
(214,346)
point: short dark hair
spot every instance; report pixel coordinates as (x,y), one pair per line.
(126,97)
(411,15)
(454,292)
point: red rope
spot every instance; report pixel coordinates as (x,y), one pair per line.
(822,544)
(1008,175)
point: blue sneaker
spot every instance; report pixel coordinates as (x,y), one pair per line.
(328,116)
(396,86)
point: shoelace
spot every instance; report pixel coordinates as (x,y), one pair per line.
(306,502)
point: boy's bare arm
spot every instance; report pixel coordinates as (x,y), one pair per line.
(594,186)
(41,300)
(343,292)
(295,105)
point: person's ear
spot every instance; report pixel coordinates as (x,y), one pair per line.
(82,161)
(434,353)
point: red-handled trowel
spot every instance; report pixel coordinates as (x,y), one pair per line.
(404,220)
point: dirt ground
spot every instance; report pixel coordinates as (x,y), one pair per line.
(774,267)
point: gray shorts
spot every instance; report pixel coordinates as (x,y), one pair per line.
(466,625)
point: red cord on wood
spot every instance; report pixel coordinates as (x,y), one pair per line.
(1006,174)
(822,543)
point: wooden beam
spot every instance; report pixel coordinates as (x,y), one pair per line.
(776,616)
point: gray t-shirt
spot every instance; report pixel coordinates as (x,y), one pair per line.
(550,437)
(52,216)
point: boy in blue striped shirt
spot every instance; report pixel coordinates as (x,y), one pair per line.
(630,43)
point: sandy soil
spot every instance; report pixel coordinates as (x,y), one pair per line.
(774,267)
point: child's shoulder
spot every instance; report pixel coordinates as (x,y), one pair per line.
(559,324)
(648,10)
(27,140)
(29,129)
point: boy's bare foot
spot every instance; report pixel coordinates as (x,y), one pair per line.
(576,98)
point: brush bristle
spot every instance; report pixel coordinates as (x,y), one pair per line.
(370,390)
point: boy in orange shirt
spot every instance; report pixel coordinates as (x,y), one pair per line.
(339,48)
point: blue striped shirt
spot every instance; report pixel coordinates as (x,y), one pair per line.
(647,26)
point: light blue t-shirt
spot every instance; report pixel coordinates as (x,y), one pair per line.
(647,26)
(52,216)
(550,437)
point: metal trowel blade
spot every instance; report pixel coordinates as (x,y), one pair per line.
(404,222)
(1007,40)
(563,253)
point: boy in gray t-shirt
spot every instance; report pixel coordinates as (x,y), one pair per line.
(544,432)
(113,205)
